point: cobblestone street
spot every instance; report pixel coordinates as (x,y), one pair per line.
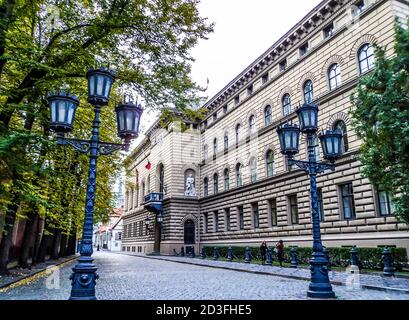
(124,277)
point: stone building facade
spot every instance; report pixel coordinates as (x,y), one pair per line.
(243,190)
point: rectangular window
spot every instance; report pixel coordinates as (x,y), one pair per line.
(206,222)
(386,206)
(256,216)
(227,219)
(293,207)
(360,7)
(304,49)
(328,31)
(205,124)
(237,99)
(320,205)
(283,65)
(216,221)
(347,198)
(240,212)
(214,116)
(264,78)
(272,208)
(225,109)
(250,90)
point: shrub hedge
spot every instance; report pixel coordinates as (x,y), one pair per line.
(369,258)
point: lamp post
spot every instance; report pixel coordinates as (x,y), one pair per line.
(63,107)
(289,135)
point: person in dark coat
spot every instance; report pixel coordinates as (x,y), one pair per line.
(280,252)
(263,252)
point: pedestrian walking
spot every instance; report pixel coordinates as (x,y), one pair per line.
(263,252)
(280,252)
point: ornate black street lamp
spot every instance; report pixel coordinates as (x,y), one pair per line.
(320,286)
(63,107)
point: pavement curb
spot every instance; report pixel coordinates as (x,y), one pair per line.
(338,283)
(16,283)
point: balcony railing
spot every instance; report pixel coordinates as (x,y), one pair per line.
(153,197)
(153,202)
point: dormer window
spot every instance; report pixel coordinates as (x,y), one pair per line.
(283,65)
(329,31)
(304,49)
(250,90)
(264,78)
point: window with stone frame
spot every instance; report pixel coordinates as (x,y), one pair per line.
(206,187)
(227,219)
(286,102)
(347,201)
(308,92)
(256,215)
(240,217)
(216,221)
(272,210)
(334,76)
(226,142)
(226,179)
(342,127)
(270,163)
(268,115)
(293,208)
(386,206)
(366,58)
(253,169)
(239,178)
(215,183)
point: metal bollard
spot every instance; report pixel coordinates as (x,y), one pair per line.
(229,254)
(294,258)
(388,269)
(354,257)
(269,257)
(247,255)
(216,254)
(203,253)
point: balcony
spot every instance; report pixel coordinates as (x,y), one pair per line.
(153,202)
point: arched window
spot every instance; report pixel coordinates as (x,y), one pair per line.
(308,92)
(148,184)
(205,152)
(334,76)
(252,124)
(253,169)
(226,142)
(316,148)
(226,180)
(161,178)
(206,187)
(238,129)
(270,163)
(239,178)
(366,58)
(143,190)
(340,125)
(215,146)
(286,104)
(268,115)
(215,183)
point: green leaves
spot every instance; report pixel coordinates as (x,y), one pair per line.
(381,119)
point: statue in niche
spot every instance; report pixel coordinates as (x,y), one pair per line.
(190,190)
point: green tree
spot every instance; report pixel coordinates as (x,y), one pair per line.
(45,44)
(381,119)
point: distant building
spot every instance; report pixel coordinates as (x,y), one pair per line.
(224,180)
(109,236)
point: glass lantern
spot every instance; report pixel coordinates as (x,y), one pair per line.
(99,85)
(62,111)
(128,119)
(289,136)
(308,117)
(331,142)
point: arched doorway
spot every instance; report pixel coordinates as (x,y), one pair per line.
(189,232)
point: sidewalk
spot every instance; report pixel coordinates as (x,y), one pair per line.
(369,281)
(18,274)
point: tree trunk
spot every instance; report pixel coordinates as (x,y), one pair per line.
(55,249)
(42,250)
(71,245)
(7,239)
(37,241)
(28,239)
(63,245)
